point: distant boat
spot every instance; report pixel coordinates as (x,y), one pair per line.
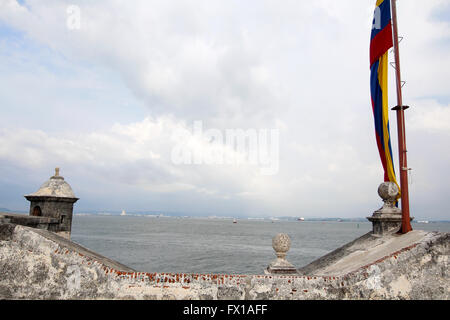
(301,219)
(234,221)
(123,213)
(423,221)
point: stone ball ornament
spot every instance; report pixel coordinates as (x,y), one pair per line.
(281,243)
(388,191)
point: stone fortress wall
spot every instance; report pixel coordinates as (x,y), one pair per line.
(38,264)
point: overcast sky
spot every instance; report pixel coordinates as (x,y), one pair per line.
(103,97)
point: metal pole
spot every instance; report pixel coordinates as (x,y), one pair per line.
(402,152)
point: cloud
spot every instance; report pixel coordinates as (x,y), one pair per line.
(137,154)
(430,116)
(140,155)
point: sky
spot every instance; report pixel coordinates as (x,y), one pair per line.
(114,93)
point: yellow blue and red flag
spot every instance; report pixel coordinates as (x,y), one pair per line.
(380,43)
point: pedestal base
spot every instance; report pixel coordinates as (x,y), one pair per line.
(280,266)
(386,223)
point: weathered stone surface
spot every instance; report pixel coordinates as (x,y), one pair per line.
(37,264)
(6,230)
(46,223)
(363,251)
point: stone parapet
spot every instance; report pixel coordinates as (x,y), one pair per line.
(36,264)
(30,221)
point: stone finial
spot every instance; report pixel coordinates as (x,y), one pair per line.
(281,243)
(57,176)
(387,219)
(388,191)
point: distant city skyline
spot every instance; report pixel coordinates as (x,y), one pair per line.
(103,89)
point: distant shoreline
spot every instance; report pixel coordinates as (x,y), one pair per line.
(421,220)
(152,215)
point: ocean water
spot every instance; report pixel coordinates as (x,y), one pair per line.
(196,245)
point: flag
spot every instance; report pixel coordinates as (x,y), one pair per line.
(380,43)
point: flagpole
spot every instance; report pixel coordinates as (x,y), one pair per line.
(402,151)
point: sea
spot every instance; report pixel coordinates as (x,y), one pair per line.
(212,245)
